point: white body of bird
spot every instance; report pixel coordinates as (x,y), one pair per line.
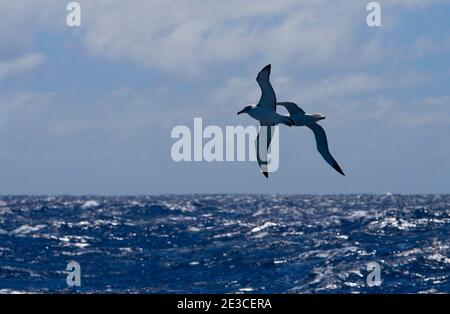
(265,112)
(267,117)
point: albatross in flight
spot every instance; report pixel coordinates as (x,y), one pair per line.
(265,113)
(309,120)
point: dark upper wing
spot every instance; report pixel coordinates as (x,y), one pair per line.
(262,147)
(268,98)
(291,107)
(322,146)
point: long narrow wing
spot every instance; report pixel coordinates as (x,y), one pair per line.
(291,107)
(268,97)
(262,147)
(322,146)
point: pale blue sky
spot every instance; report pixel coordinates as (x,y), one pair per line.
(90,110)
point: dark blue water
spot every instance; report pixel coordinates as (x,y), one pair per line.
(226,243)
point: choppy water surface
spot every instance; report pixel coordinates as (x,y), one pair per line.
(226,243)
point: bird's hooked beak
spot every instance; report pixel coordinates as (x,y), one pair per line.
(242,111)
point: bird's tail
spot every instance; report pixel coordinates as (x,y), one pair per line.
(286,120)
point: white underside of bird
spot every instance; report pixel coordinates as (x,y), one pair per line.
(265,112)
(266,116)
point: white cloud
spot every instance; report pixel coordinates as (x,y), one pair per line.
(431,112)
(21,20)
(182,36)
(417,4)
(426,45)
(185,36)
(20,109)
(240,90)
(22,64)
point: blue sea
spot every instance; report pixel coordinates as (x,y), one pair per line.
(226,243)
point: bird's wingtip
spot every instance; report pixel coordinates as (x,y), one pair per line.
(268,67)
(338,169)
(265,71)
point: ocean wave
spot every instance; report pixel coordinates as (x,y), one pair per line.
(226,243)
